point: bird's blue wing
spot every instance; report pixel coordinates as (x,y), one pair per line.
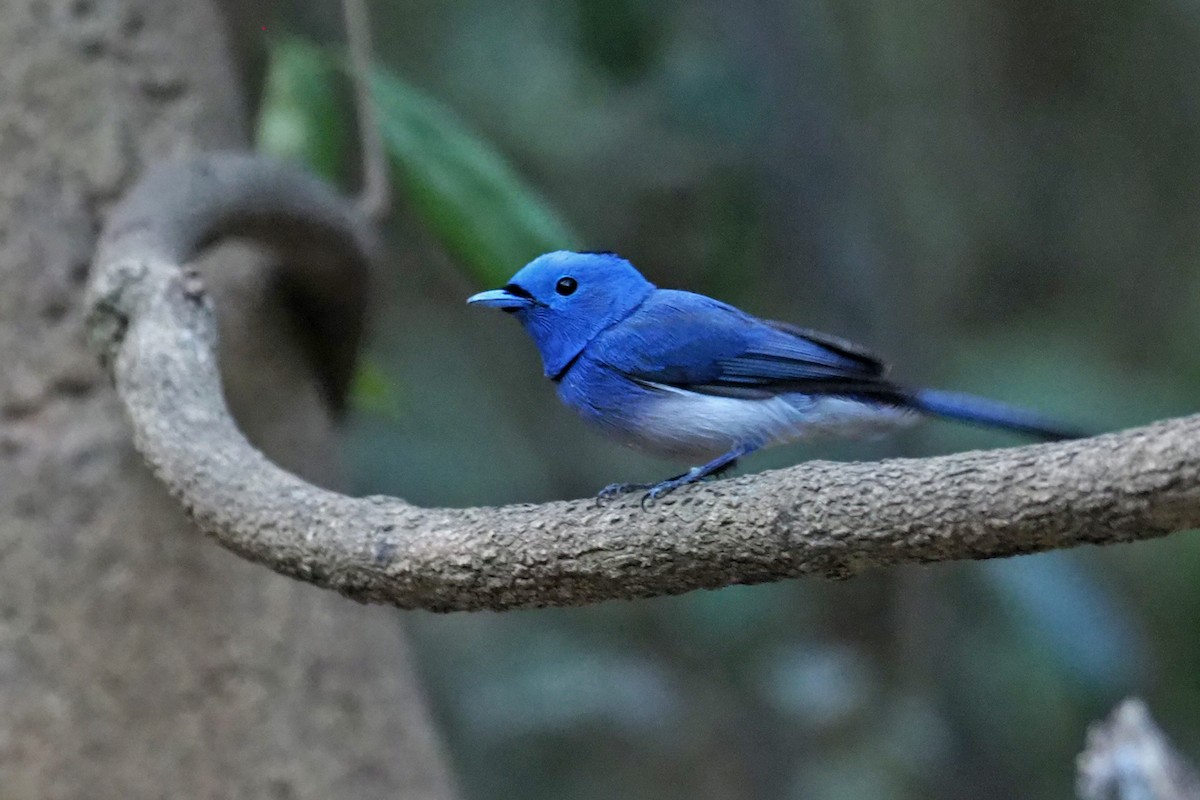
(696,343)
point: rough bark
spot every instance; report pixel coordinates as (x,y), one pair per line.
(152,320)
(135,659)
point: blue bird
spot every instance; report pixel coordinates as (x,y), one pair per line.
(686,377)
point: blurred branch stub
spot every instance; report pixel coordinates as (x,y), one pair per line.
(375,198)
(1128,758)
(154,327)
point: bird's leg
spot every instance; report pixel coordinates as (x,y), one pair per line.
(721,470)
(710,470)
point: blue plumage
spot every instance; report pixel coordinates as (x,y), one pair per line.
(684,376)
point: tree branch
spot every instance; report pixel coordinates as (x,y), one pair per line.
(1129,758)
(154,327)
(375,198)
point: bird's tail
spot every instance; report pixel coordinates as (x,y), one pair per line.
(993,414)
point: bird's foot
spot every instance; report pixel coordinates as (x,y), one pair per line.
(712,469)
(654,491)
(615,490)
(664,488)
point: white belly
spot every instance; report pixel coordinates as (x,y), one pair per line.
(690,426)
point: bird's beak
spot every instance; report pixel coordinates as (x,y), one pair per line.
(500,298)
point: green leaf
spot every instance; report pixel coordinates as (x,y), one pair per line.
(463,189)
(300,118)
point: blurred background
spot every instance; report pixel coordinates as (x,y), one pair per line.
(999,197)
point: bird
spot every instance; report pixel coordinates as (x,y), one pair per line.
(686,377)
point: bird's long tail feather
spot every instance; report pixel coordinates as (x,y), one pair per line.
(982,411)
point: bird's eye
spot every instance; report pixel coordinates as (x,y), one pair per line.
(566,286)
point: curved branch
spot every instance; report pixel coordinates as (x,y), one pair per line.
(155,327)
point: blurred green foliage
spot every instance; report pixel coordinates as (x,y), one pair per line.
(998,196)
(476,205)
(300,116)
(468,195)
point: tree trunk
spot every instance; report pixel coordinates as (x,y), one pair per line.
(136,658)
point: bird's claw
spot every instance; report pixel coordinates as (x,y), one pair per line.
(654,491)
(615,490)
(660,490)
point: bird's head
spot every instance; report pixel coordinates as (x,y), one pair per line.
(564,299)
